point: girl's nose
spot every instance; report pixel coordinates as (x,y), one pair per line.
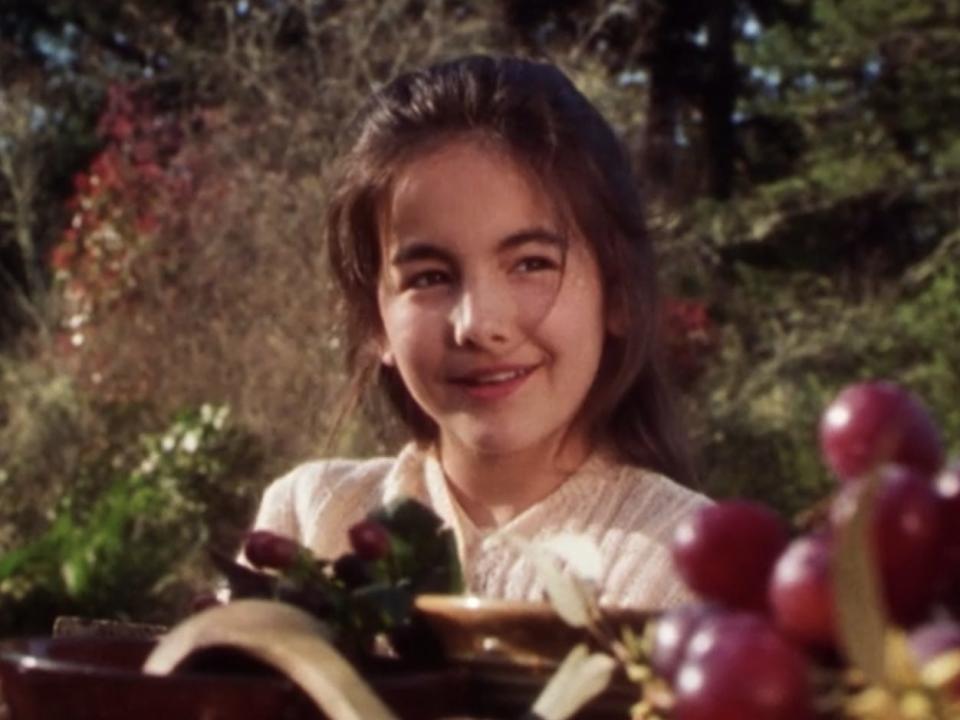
(483,318)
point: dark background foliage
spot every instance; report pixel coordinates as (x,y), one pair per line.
(163,169)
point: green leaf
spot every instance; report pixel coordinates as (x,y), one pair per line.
(449,576)
(579,552)
(860,612)
(12,561)
(421,548)
(409,519)
(579,679)
(75,573)
(244,582)
(383,605)
(572,598)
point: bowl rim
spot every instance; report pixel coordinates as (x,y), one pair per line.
(483,606)
(477,603)
(20,655)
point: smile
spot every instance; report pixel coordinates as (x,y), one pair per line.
(495,383)
(498,377)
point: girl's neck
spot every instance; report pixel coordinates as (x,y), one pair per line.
(493,488)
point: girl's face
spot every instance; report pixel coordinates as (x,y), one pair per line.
(495,330)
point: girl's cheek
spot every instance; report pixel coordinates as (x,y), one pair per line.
(413,325)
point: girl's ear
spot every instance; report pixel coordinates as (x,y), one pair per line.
(379,344)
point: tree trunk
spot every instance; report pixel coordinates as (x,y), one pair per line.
(719,98)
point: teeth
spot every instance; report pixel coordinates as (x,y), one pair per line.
(498,377)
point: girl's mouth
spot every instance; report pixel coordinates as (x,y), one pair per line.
(494,383)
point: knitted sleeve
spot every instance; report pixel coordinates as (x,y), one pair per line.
(317,502)
(278,511)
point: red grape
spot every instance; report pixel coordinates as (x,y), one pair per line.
(369,539)
(905,528)
(671,633)
(737,667)
(726,552)
(204,601)
(873,423)
(801,592)
(266,549)
(947,488)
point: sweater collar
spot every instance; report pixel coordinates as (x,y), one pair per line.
(417,473)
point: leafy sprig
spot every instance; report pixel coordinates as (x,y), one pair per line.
(366,595)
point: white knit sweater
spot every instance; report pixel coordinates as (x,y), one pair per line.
(630,514)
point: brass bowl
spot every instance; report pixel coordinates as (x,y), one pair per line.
(524,633)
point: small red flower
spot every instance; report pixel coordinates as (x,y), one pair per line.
(150,171)
(147,224)
(688,336)
(369,539)
(104,166)
(144,151)
(61,257)
(265,549)
(81,183)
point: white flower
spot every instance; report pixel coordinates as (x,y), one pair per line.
(149,465)
(190,441)
(76,321)
(220,417)
(168,443)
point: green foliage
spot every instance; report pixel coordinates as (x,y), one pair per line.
(115,546)
(363,594)
(835,261)
(791,343)
(47,430)
(923,346)
(421,549)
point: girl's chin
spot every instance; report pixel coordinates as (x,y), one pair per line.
(495,441)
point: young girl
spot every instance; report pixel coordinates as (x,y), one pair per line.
(488,240)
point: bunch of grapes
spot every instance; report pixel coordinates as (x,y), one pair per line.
(767,642)
(366,595)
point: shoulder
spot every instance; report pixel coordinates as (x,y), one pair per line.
(642,499)
(646,507)
(658,492)
(291,502)
(325,476)
(653,505)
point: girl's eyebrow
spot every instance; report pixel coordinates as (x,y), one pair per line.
(533,234)
(419,251)
(425,251)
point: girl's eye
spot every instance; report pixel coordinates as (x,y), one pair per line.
(425,279)
(536,264)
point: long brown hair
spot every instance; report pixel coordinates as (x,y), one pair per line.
(536,113)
